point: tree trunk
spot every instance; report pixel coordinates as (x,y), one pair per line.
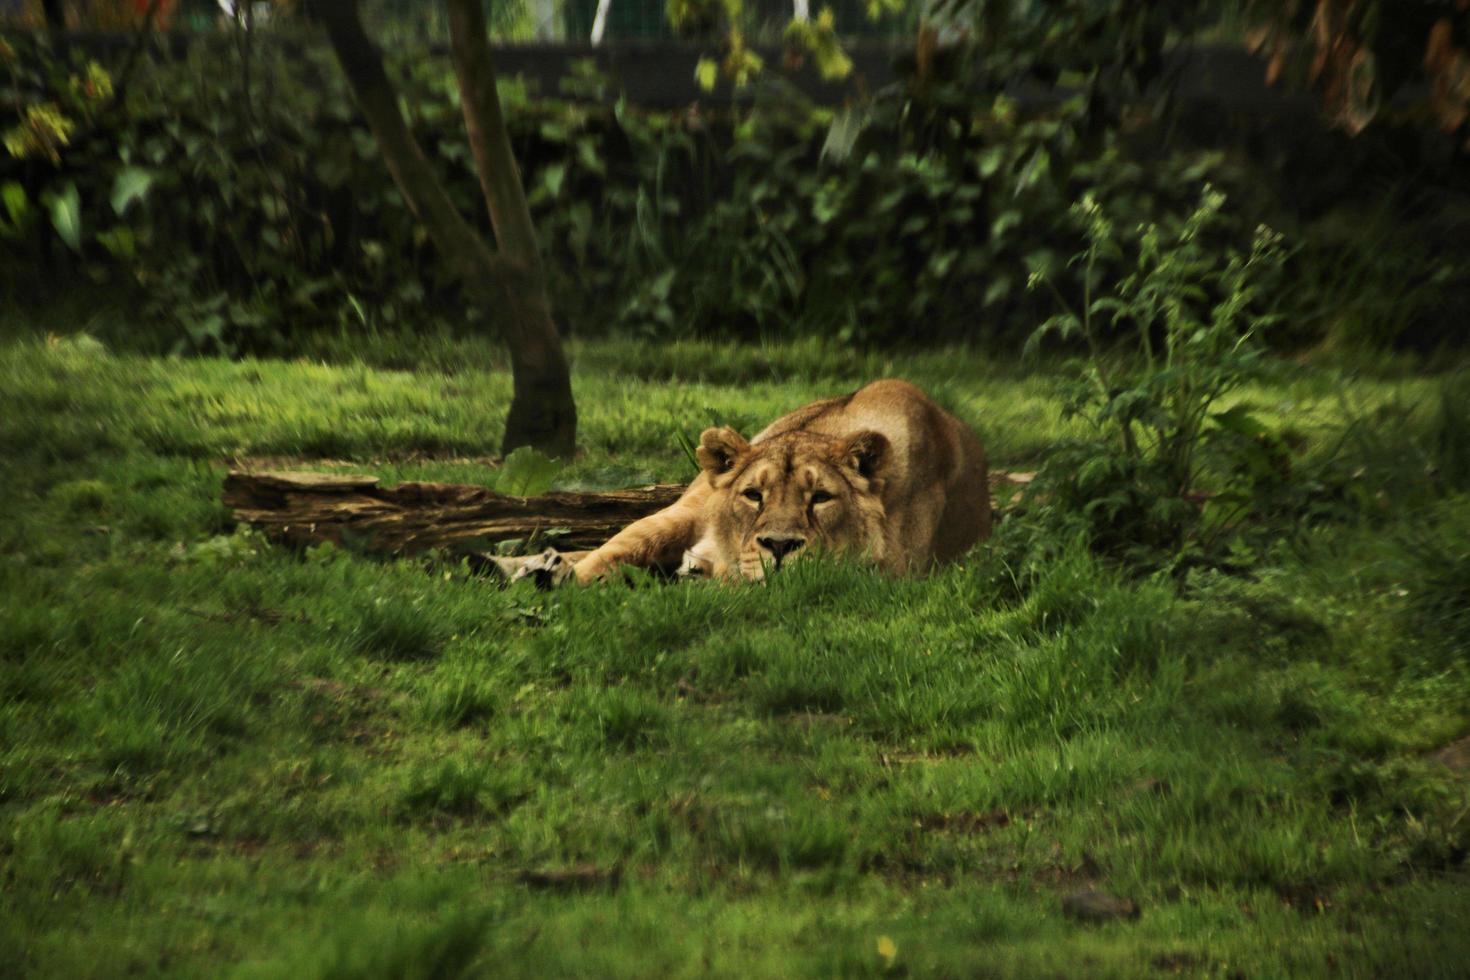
(509,283)
(55,14)
(599,21)
(542,404)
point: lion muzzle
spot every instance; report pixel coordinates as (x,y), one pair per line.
(778,546)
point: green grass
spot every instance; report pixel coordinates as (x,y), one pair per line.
(217,755)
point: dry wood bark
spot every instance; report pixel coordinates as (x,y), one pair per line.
(411,518)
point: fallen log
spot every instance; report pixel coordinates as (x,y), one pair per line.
(411,518)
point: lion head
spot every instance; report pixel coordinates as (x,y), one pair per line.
(788,495)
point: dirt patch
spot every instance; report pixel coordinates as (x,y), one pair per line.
(816,719)
(1304,897)
(582,877)
(349,712)
(1178,962)
(970,822)
(1455,757)
(1093,906)
(909,870)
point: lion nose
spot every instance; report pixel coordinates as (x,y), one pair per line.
(780,547)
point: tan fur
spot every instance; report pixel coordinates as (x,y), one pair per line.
(883,473)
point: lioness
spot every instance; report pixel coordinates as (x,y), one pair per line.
(883,472)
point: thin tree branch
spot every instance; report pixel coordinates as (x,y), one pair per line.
(458,244)
(542,411)
(500,179)
(55,15)
(140,39)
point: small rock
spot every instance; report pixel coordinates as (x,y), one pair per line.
(1095,906)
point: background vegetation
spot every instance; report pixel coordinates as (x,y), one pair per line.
(236,197)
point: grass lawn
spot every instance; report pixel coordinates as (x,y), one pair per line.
(217,755)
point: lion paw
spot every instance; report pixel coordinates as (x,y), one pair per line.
(548,569)
(694,566)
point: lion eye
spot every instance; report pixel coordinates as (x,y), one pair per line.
(752,495)
(820,496)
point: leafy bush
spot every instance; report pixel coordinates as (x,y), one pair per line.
(1173,464)
(231,192)
(1437,585)
(234,194)
(894,234)
(237,195)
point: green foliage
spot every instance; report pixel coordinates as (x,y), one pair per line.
(252,218)
(45,127)
(1436,586)
(396,629)
(526,473)
(818,37)
(66,215)
(1450,432)
(1113,51)
(130,185)
(249,212)
(17,209)
(939,230)
(220,196)
(1377,270)
(460,787)
(1169,349)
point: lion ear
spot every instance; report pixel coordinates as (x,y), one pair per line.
(866,452)
(719,449)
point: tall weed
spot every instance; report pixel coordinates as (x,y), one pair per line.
(1174,462)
